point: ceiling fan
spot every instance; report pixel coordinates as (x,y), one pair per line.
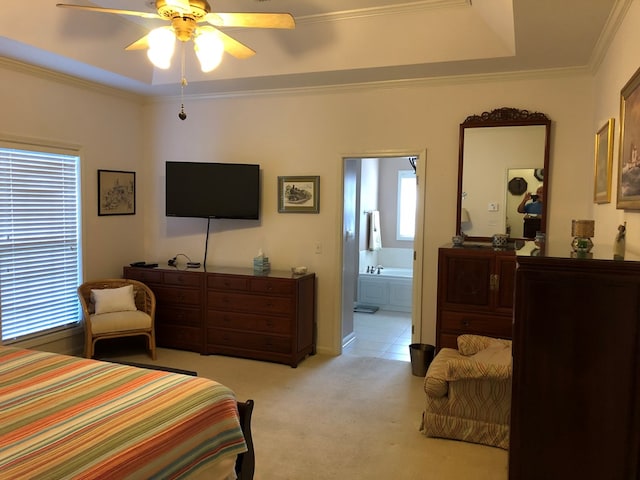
(185,17)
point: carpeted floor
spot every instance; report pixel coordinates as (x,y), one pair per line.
(339,418)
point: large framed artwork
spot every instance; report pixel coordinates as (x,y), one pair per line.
(628,195)
(299,194)
(603,163)
(116,192)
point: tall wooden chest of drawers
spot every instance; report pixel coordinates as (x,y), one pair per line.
(575,410)
(232,311)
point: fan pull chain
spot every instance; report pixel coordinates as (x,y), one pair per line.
(183,83)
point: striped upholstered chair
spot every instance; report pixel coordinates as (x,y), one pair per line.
(468,392)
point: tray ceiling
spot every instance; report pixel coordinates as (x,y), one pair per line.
(335,42)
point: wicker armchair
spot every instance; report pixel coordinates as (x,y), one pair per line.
(115,308)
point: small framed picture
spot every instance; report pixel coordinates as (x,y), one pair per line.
(603,163)
(299,194)
(116,192)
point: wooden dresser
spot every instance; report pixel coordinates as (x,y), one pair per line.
(475,292)
(576,369)
(232,311)
(179,305)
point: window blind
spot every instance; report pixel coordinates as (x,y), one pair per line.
(40,257)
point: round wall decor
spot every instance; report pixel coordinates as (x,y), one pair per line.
(517,186)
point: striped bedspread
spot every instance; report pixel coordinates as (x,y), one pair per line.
(65,417)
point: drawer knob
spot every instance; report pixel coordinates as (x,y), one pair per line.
(466,323)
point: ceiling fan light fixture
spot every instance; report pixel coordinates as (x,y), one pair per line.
(209,48)
(180,6)
(162,43)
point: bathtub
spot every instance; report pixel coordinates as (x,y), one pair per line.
(394,272)
(389,290)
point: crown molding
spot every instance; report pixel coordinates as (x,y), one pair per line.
(408,7)
(63,78)
(616,17)
(464,79)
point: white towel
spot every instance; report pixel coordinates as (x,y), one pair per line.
(375,239)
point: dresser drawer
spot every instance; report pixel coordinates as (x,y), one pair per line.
(145,275)
(183,278)
(248,341)
(189,338)
(179,296)
(249,322)
(227,282)
(174,315)
(463,322)
(237,302)
(271,285)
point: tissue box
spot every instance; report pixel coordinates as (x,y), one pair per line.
(261,264)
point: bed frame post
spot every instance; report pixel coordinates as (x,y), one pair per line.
(245,463)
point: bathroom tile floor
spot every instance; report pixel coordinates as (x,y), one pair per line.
(384,334)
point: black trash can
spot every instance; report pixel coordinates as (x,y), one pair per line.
(421,356)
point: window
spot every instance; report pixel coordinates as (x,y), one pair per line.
(406,227)
(40,256)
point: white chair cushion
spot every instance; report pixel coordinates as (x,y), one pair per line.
(113,299)
(120,322)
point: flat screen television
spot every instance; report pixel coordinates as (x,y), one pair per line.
(213,190)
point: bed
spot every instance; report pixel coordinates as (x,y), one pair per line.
(64,417)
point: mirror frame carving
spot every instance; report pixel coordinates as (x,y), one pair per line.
(504,117)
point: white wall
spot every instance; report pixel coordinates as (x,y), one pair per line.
(619,65)
(309,132)
(109,131)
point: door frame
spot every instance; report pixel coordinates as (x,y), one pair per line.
(418,241)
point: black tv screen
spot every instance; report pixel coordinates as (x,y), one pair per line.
(213,190)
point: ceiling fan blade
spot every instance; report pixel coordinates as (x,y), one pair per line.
(140,44)
(234,47)
(251,20)
(110,10)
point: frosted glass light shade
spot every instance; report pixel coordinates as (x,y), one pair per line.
(162,43)
(209,48)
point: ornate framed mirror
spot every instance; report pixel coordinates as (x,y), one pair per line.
(503,174)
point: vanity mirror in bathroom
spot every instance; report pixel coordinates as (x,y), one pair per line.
(503,163)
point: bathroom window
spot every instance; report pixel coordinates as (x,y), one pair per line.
(40,257)
(407,188)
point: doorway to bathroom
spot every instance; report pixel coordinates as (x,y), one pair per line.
(382,220)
